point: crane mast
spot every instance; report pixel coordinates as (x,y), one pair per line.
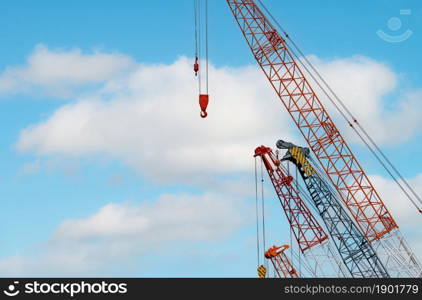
(273,55)
(310,236)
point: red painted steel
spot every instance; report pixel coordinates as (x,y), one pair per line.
(303,224)
(203,103)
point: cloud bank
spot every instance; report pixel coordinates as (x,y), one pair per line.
(118,233)
(148,116)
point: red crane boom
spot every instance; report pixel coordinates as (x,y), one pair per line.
(303,224)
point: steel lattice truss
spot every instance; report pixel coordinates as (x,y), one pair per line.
(336,158)
(357,253)
(303,224)
(309,234)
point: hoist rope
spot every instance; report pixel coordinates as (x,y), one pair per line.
(263,209)
(306,266)
(257,215)
(296,181)
(199,26)
(390,163)
(206,44)
(340,104)
(291,242)
(197,12)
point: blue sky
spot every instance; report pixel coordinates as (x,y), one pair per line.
(49,177)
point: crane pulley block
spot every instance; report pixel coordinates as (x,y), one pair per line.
(196,66)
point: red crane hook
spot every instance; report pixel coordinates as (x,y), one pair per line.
(203,103)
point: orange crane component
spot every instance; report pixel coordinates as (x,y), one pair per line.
(279,65)
(281,262)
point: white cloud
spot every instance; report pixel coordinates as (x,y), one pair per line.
(31,168)
(406,215)
(58,72)
(149,118)
(151,122)
(116,238)
(185,217)
(115,180)
(363,84)
(118,234)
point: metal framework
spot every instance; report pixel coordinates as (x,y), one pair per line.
(357,253)
(310,236)
(303,224)
(336,158)
(282,264)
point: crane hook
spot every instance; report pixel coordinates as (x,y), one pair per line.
(203,103)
